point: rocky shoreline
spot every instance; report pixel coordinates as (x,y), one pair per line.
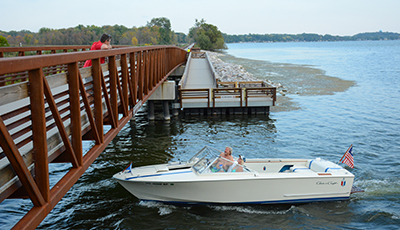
(293,79)
(228,72)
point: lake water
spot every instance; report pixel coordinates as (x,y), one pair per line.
(338,94)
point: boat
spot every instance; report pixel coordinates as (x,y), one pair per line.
(209,178)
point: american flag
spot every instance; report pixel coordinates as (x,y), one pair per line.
(129,168)
(347,158)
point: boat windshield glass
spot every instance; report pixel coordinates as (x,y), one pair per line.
(208,160)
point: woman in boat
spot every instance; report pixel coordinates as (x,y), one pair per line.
(238,166)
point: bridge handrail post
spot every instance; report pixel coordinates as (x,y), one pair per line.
(98,105)
(125,83)
(74,100)
(36,95)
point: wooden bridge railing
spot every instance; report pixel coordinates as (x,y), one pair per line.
(46,118)
(37,50)
(33,50)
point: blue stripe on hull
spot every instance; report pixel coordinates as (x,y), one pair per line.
(297,201)
(154,175)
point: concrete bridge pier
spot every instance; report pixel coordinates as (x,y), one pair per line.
(150,108)
(175,109)
(164,93)
(166,110)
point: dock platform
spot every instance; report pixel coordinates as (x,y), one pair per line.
(201,93)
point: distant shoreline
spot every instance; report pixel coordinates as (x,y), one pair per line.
(309,37)
(311,41)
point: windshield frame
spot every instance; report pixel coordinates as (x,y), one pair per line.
(204,162)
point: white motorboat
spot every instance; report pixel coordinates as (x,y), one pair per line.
(208,178)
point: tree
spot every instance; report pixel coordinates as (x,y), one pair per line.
(193,31)
(164,29)
(180,38)
(3,42)
(207,36)
(134,41)
(28,38)
(19,40)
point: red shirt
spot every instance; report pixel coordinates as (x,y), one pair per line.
(96,46)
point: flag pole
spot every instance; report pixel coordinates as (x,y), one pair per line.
(128,166)
(345,152)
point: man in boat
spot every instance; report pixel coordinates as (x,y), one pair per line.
(225,160)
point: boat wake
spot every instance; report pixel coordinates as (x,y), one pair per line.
(254,210)
(166,209)
(377,187)
(163,209)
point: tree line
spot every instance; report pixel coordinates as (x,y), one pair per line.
(156,32)
(309,37)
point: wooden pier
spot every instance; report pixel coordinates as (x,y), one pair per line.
(201,93)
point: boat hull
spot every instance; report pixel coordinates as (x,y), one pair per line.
(250,190)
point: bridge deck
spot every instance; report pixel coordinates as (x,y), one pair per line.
(200,75)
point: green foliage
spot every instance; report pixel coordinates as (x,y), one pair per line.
(207,36)
(157,31)
(3,42)
(180,38)
(164,29)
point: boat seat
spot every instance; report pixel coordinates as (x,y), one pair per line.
(161,168)
(323,166)
(285,168)
(300,170)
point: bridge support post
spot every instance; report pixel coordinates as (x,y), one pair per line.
(166,110)
(150,108)
(175,109)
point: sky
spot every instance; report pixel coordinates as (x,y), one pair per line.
(335,17)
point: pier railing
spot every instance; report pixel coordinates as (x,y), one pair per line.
(242,92)
(46,118)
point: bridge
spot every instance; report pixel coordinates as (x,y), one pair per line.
(50,105)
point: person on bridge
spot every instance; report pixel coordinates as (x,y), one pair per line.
(103,44)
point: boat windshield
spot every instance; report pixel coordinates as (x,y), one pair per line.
(208,160)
